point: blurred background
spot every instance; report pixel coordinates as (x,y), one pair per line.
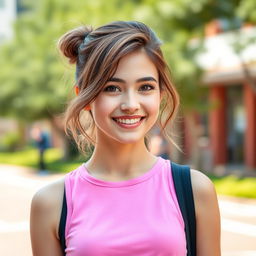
(210,46)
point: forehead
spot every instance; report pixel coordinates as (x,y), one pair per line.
(136,65)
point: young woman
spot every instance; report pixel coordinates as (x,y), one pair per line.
(122,201)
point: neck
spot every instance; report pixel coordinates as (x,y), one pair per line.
(120,160)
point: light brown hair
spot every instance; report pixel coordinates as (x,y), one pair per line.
(96,54)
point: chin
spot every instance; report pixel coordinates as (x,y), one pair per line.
(129,140)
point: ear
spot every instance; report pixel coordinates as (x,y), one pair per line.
(87,108)
(77,90)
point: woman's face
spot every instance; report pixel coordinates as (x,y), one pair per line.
(128,105)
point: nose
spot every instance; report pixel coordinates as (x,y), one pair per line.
(130,103)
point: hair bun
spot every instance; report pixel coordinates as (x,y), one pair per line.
(70,42)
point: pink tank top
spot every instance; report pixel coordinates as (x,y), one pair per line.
(140,216)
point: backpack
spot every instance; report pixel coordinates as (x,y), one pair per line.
(183,188)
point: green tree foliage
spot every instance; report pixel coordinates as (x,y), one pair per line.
(179,21)
(34,80)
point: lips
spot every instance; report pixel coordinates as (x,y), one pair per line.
(128,121)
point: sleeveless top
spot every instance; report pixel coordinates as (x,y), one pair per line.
(140,216)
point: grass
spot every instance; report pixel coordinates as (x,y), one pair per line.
(234,186)
(29,158)
(229,185)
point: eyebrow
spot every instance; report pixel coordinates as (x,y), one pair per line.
(143,79)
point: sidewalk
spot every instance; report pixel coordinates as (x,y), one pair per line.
(250,201)
(18,185)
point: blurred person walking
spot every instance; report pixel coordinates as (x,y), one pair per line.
(42,141)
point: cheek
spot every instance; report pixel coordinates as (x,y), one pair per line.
(102,106)
(153,104)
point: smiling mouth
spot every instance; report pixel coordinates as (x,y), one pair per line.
(128,121)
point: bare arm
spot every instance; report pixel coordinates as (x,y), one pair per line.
(207,215)
(44,220)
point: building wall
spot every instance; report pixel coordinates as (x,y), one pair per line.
(250,136)
(224,70)
(218,127)
(222,137)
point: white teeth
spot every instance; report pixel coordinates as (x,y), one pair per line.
(128,121)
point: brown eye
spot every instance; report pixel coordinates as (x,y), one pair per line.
(111,88)
(147,87)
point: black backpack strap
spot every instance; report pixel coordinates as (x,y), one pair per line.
(184,192)
(62,224)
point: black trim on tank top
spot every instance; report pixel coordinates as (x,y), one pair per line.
(62,225)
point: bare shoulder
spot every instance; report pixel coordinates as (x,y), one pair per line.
(46,205)
(44,219)
(203,188)
(48,196)
(207,215)
(205,197)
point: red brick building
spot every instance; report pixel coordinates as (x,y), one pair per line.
(231,78)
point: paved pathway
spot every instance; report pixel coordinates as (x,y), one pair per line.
(238,221)
(18,184)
